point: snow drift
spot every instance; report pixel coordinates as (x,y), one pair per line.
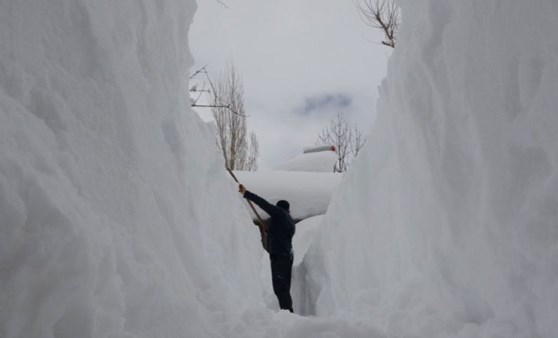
(306,182)
(117,219)
(448,223)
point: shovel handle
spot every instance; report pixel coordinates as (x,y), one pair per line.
(261,224)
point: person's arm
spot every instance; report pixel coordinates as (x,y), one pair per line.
(262,203)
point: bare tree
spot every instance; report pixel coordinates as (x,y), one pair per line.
(381,14)
(239,149)
(199,89)
(338,134)
(253,153)
(357,141)
(205,86)
(347,141)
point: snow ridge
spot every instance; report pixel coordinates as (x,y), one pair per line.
(446,226)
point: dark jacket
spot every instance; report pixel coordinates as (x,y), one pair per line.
(280,229)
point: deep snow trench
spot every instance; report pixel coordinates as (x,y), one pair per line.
(117,218)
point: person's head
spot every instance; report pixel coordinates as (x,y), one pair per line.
(283,205)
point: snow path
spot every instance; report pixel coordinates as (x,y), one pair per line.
(118,220)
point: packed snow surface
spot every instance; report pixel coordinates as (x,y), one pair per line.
(118,219)
(447,226)
(308,193)
(323,161)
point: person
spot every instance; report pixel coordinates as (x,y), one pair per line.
(280,232)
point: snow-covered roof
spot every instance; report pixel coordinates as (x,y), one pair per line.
(307,192)
(313,162)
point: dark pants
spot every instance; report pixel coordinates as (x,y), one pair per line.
(281,268)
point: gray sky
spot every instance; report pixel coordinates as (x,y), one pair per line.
(301,62)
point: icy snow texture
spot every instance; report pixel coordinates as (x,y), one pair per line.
(108,183)
(447,226)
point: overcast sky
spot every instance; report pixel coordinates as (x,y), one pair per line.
(301,62)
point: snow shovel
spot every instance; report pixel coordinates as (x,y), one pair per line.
(261,225)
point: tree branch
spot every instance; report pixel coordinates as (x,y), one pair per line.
(381,14)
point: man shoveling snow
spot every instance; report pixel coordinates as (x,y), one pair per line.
(280,232)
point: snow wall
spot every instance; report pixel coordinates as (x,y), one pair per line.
(117,217)
(447,225)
